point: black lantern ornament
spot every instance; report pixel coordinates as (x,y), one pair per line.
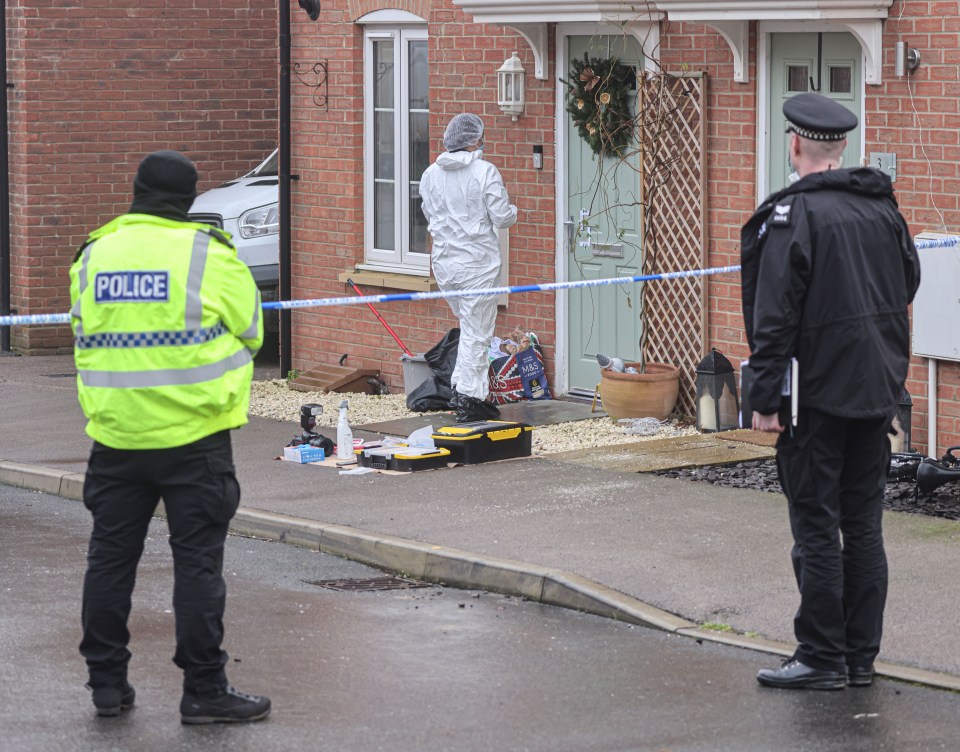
(718,408)
(900,441)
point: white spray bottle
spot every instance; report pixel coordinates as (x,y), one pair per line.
(344,435)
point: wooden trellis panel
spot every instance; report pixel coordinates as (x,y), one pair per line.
(673,175)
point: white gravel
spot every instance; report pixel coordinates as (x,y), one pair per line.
(273,399)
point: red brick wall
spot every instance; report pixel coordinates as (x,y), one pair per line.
(328,202)
(328,233)
(98,84)
(731,168)
(917,118)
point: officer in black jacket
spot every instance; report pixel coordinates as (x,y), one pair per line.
(828,270)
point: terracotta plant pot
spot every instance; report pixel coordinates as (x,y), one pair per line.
(640,395)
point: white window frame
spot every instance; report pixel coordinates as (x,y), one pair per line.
(401,28)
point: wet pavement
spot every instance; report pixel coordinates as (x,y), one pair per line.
(432,669)
(608,539)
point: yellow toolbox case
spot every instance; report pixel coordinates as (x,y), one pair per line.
(485,441)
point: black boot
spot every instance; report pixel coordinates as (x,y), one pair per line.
(112,700)
(471,409)
(225,705)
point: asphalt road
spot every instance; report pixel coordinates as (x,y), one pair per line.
(425,669)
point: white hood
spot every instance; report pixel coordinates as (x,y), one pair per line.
(456,160)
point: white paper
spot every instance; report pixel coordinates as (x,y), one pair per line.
(422,437)
(358,471)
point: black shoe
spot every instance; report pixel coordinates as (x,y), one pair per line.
(113,700)
(224,706)
(859,676)
(796,675)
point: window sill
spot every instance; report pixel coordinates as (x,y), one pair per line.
(390,280)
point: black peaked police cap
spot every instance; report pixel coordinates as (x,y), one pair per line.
(818,118)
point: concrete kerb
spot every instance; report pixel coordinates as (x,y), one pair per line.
(462,569)
(56,482)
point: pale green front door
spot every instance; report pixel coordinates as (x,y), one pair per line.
(604,236)
(828,63)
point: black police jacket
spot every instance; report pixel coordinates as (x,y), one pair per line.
(828,269)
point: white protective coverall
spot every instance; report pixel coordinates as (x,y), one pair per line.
(464,199)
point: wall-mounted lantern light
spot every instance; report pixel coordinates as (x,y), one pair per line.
(907,60)
(510,87)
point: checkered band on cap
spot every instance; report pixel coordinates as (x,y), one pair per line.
(816,135)
(149,339)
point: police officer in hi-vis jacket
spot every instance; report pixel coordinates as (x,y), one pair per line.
(166,322)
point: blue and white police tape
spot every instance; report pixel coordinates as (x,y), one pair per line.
(36,319)
(945,242)
(546,287)
(64,318)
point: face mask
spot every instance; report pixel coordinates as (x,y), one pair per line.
(480,153)
(793,177)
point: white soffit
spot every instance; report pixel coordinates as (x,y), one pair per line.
(731,18)
(529,18)
(771,10)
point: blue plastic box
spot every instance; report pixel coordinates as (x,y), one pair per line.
(303,454)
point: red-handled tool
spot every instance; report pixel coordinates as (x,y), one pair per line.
(382,321)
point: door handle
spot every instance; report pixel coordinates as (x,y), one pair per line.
(568,226)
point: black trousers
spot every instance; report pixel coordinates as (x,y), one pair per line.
(199,489)
(833,472)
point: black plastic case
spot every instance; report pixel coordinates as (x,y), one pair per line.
(381,458)
(485,441)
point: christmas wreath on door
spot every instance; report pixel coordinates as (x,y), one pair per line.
(598,99)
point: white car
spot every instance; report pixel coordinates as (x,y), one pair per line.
(248,208)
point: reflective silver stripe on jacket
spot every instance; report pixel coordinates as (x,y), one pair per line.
(82,281)
(193,315)
(251,331)
(166,376)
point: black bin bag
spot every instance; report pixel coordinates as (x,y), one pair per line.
(435,393)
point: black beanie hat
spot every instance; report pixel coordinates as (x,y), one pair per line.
(168,172)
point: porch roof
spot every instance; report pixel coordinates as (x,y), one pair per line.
(731,18)
(772,10)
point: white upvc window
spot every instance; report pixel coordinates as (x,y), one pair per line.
(396,146)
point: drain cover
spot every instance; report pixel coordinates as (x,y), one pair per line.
(371,584)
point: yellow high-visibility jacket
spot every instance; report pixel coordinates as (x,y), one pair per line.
(166,321)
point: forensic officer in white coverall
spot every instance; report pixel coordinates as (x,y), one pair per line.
(464,200)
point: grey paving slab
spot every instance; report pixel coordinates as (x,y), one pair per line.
(665,454)
(531,412)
